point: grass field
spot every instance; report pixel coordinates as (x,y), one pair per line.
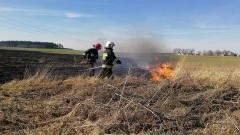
(202,97)
(194,101)
(44,50)
(211,61)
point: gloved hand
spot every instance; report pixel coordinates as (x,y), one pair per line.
(119,62)
(84,61)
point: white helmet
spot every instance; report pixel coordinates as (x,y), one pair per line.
(109,44)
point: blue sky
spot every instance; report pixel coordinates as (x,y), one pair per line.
(198,24)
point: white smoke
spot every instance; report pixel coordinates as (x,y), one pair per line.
(140,45)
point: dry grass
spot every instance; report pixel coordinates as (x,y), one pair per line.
(39,80)
(195,101)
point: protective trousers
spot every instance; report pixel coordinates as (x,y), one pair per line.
(106,72)
(91,70)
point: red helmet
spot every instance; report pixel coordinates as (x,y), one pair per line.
(98,46)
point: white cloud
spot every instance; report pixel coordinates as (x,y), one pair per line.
(44,12)
(29,11)
(77,15)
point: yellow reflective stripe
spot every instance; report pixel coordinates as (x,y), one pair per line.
(115,60)
(104,56)
(106,66)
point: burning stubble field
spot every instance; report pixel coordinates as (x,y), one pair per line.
(187,98)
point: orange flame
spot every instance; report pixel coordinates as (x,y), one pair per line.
(162,71)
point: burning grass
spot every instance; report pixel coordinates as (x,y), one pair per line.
(193,101)
(161,71)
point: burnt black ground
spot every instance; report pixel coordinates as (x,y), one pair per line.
(19,64)
(16,64)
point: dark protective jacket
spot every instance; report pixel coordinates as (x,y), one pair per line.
(109,58)
(91,55)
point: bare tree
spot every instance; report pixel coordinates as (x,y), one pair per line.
(210,53)
(177,50)
(199,52)
(191,51)
(217,52)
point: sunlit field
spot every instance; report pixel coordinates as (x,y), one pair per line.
(200,96)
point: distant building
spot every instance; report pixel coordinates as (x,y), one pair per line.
(180,53)
(224,54)
(187,54)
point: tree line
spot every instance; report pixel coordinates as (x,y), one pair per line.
(30,44)
(208,52)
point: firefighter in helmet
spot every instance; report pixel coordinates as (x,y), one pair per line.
(91,56)
(108,60)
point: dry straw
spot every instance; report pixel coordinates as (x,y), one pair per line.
(196,100)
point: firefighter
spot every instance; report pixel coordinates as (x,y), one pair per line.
(108,60)
(91,56)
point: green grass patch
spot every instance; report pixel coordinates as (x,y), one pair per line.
(45,50)
(211,61)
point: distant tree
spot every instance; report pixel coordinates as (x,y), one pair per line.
(177,50)
(185,51)
(199,52)
(217,52)
(191,51)
(60,46)
(29,44)
(204,52)
(210,53)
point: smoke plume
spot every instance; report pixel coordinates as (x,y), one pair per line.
(146,45)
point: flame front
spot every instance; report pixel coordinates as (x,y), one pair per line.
(161,71)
